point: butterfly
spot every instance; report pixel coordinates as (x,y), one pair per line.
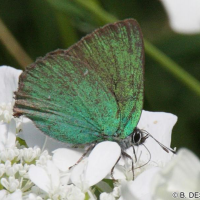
(91,92)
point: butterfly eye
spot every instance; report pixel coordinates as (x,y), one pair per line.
(136,137)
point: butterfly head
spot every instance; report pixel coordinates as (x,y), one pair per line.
(138,137)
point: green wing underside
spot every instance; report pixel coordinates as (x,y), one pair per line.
(64,102)
(91,92)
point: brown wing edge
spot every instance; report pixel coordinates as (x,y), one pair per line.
(102,29)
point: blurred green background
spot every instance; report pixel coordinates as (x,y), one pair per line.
(41,26)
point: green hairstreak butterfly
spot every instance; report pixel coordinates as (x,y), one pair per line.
(92,91)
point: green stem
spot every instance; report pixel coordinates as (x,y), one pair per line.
(150,49)
(175,69)
(14,48)
(99,12)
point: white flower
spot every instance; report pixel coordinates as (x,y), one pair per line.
(140,188)
(87,173)
(47,179)
(4,195)
(8,125)
(115,194)
(9,154)
(184,15)
(106,196)
(73,193)
(8,147)
(30,154)
(8,135)
(8,85)
(182,174)
(91,170)
(101,160)
(159,125)
(2,170)
(11,170)
(11,184)
(23,170)
(43,159)
(97,166)
(6,112)
(64,158)
(34,197)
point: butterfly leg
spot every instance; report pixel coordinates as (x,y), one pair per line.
(134,153)
(112,170)
(128,156)
(149,157)
(86,152)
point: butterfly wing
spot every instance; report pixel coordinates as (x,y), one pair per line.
(66,100)
(91,92)
(116,53)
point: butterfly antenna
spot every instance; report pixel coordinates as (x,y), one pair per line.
(161,145)
(148,160)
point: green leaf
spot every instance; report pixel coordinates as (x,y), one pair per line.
(21,142)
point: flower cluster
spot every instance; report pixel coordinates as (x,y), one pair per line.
(36,167)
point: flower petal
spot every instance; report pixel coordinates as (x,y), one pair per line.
(180,175)
(3,135)
(78,175)
(8,83)
(159,125)
(106,196)
(32,135)
(101,160)
(16,195)
(74,193)
(54,174)
(3,194)
(11,138)
(7,135)
(184,15)
(126,193)
(66,157)
(140,187)
(119,171)
(40,178)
